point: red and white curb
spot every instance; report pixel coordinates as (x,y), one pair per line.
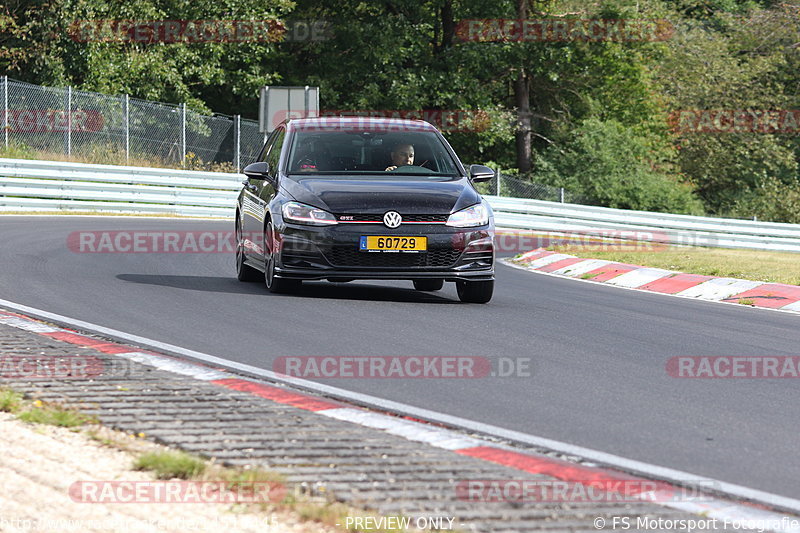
(755,514)
(731,290)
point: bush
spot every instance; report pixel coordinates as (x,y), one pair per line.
(773,200)
(610,165)
(17,151)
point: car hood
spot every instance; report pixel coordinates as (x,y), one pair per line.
(376,195)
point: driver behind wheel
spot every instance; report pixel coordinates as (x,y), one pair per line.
(402,154)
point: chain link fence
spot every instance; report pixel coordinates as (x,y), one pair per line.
(514,187)
(100,127)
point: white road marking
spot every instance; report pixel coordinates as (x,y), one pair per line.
(578,269)
(173,365)
(720,288)
(544,261)
(21,323)
(639,277)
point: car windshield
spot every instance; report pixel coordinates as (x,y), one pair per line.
(370,151)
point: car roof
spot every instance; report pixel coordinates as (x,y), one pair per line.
(358,122)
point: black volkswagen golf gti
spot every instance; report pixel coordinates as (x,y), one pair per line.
(341,198)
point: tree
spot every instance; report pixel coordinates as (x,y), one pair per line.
(736,63)
(44,46)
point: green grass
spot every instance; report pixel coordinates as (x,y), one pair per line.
(110,154)
(54,415)
(243,476)
(10,401)
(38,412)
(171,464)
(772,267)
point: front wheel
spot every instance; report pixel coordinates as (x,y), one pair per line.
(244,272)
(428,285)
(475,292)
(276,285)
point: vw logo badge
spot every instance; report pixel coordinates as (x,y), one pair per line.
(392,219)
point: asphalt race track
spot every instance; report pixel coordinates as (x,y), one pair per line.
(598,352)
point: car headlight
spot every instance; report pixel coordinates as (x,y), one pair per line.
(477,215)
(307,214)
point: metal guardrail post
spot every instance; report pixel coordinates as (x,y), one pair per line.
(127,102)
(237,141)
(183,135)
(69,120)
(5,108)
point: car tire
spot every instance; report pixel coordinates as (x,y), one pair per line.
(428,285)
(275,285)
(475,292)
(244,272)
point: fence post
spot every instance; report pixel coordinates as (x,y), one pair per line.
(561,194)
(498,181)
(127,128)
(5,108)
(183,134)
(237,141)
(69,120)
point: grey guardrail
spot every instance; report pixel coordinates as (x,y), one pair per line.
(666,228)
(31,185)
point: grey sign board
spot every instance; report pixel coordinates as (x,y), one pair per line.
(279,103)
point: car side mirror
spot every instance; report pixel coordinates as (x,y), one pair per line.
(257,171)
(479,173)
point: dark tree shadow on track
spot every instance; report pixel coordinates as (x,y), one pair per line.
(310,290)
(196,283)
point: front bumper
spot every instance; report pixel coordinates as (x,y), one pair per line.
(312,253)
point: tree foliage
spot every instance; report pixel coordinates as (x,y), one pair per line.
(599,110)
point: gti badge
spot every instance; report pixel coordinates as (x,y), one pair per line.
(392,219)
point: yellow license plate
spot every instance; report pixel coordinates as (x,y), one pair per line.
(380,243)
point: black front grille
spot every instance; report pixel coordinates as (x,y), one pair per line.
(406,218)
(424,218)
(351,258)
(299,259)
